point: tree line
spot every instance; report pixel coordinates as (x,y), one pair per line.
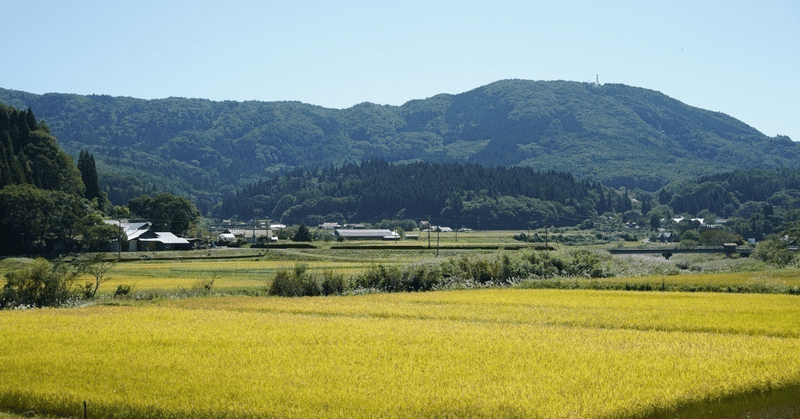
(446,193)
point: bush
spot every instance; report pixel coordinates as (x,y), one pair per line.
(122,290)
(41,284)
(205,285)
(463,272)
(584,263)
(333,284)
(774,251)
(382,278)
(284,285)
(299,283)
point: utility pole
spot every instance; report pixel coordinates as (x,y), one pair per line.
(429,232)
(438,229)
(119,239)
(546,247)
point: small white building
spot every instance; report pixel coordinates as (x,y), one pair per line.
(330,226)
(367,234)
(227,237)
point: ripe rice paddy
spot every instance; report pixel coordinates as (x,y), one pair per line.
(479,353)
(227,274)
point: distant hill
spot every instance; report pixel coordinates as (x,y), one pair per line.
(616,134)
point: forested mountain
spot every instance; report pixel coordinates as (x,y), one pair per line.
(616,134)
(448,193)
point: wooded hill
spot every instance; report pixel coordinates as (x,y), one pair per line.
(451,194)
(616,134)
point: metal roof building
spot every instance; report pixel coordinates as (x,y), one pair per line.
(366,234)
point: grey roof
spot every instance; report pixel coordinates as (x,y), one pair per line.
(166,238)
(383,233)
(132,230)
(248,232)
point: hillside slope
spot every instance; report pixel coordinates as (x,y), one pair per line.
(620,135)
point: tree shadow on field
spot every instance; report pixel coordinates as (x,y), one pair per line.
(777,404)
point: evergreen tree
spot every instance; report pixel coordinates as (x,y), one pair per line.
(302,234)
(31,119)
(88,171)
(646,206)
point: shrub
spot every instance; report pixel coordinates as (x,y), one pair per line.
(774,251)
(382,278)
(205,285)
(423,277)
(299,283)
(284,285)
(41,284)
(585,263)
(122,290)
(333,284)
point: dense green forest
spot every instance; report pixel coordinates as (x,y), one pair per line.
(619,135)
(447,193)
(757,201)
(734,193)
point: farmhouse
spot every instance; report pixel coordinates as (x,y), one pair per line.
(140,236)
(366,234)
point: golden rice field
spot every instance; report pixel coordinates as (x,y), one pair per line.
(769,281)
(480,353)
(166,275)
(250,273)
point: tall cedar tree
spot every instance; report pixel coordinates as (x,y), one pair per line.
(89,175)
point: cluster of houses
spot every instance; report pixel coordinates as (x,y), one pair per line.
(140,235)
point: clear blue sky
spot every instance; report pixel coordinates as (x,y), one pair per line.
(738,57)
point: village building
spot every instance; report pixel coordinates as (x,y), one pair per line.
(139,236)
(329,226)
(366,234)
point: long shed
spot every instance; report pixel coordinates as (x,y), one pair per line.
(366,234)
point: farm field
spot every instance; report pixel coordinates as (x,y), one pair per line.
(252,270)
(478,353)
(231,269)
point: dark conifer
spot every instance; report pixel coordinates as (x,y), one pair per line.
(88,171)
(30,119)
